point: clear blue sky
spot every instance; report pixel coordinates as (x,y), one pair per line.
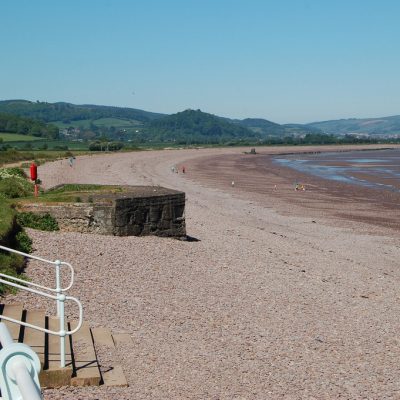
(283,60)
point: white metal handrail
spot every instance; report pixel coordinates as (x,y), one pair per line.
(57,262)
(59,297)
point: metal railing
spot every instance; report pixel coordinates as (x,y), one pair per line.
(59,297)
(20,367)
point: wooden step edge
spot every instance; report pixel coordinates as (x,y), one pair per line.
(14,311)
(53,357)
(52,375)
(33,337)
(112,373)
(55,378)
(122,339)
(85,365)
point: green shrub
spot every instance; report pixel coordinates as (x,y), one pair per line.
(13,265)
(12,188)
(13,183)
(42,222)
(11,171)
(24,242)
(12,261)
(7,215)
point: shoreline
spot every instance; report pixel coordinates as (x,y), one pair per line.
(266,304)
(259,174)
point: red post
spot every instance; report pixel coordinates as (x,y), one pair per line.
(33,171)
(34,177)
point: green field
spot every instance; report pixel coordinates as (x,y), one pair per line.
(16,137)
(101,122)
(117,122)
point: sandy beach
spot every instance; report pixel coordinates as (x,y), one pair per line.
(285,295)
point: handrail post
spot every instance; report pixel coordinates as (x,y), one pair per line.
(60,312)
(62,332)
(58,284)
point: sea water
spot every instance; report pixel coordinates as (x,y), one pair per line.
(379,169)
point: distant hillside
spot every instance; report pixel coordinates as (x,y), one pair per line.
(385,126)
(67,112)
(87,122)
(195,126)
(267,128)
(262,126)
(300,130)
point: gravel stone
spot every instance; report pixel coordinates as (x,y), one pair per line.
(265,304)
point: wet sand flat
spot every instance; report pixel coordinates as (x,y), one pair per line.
(273,183)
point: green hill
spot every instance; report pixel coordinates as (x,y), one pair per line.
(67,112)
(195,126)
(81,122)
(262,126)
(269,129)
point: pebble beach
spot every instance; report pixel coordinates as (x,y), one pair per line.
(281,295)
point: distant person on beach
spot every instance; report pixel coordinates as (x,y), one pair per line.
(299,186)
(183,169)
(233,183)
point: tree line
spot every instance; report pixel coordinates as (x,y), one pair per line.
(320,138)
(27,126)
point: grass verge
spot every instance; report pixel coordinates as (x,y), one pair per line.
(13,184)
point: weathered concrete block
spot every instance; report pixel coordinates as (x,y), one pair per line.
(137,210)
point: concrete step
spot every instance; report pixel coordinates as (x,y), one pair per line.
(13,311)
(34,338)
(122,339)
(113,375)
(82,364)
(54,360)
(86,369)
(52,375)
